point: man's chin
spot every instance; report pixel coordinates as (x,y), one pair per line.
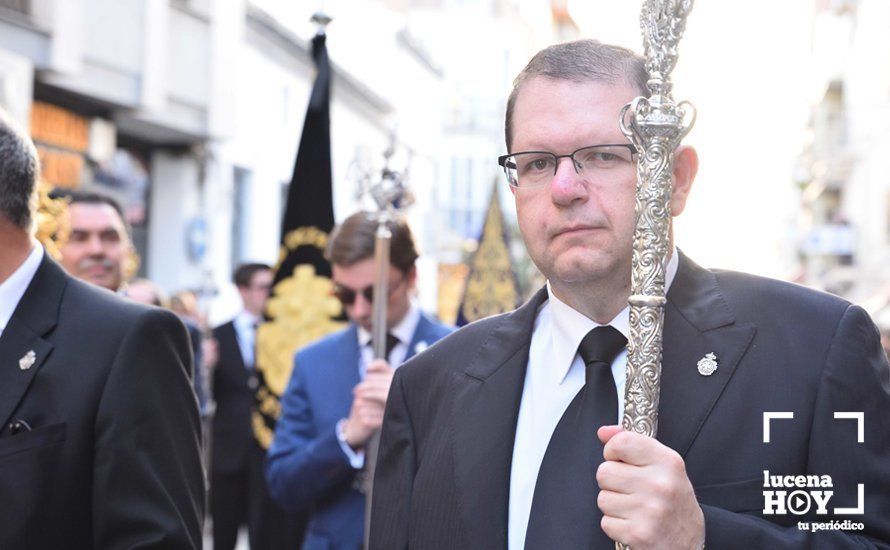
(580,268)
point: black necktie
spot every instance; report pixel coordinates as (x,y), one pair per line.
(391,342)
(564,513)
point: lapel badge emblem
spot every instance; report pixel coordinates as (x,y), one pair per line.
(707,365)
(28,360)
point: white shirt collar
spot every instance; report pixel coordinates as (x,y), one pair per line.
(244,321)
(13,288)
(569,326)
(404,330)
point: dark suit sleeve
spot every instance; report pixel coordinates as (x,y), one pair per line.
(303,465)
(198,378)
(148,482)
(394,476)
(855,378)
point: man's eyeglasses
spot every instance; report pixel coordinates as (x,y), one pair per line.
(536,168)
(347,295)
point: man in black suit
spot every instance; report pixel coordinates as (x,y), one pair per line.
(504,435)
(238,492)
(99,431)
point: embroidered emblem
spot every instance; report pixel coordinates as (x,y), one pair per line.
(707,365)
(28,360)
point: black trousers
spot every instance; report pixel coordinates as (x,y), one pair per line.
(241,497)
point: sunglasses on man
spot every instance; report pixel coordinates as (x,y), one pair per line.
(348,295)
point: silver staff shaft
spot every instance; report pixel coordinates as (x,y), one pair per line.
(655,125)
(381,289)
(382,241)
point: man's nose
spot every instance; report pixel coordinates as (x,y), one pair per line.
(361,307)
(567,185)
(94,246)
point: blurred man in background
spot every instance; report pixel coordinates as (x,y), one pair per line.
(337,393)
(238,493)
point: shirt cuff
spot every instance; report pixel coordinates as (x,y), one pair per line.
(356,458)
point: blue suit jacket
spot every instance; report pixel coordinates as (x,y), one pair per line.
(306,468)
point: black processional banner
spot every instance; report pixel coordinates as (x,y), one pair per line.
(301,308)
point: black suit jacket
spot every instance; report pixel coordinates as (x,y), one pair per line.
(446,448)
(112,458)
(232,432)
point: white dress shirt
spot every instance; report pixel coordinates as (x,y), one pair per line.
(13,288)
(554,376)
(404,331)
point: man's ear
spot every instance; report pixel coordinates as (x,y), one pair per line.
(685,169)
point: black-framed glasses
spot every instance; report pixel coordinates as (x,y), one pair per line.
(348,295)
(536,168)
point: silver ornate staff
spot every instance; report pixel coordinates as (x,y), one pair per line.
(655,125)
(390,197)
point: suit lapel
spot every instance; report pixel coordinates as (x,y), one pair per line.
(422,338)
(486,407)
(231,349)
(350,358)
(697,322)
(34,317)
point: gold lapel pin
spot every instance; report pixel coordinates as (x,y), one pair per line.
(28,360)
(707,365)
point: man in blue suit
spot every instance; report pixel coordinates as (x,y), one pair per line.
(337,393)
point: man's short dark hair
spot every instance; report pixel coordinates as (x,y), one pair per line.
(353,241)
(245,272)
(19,171)
(73,196)
(580,61)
